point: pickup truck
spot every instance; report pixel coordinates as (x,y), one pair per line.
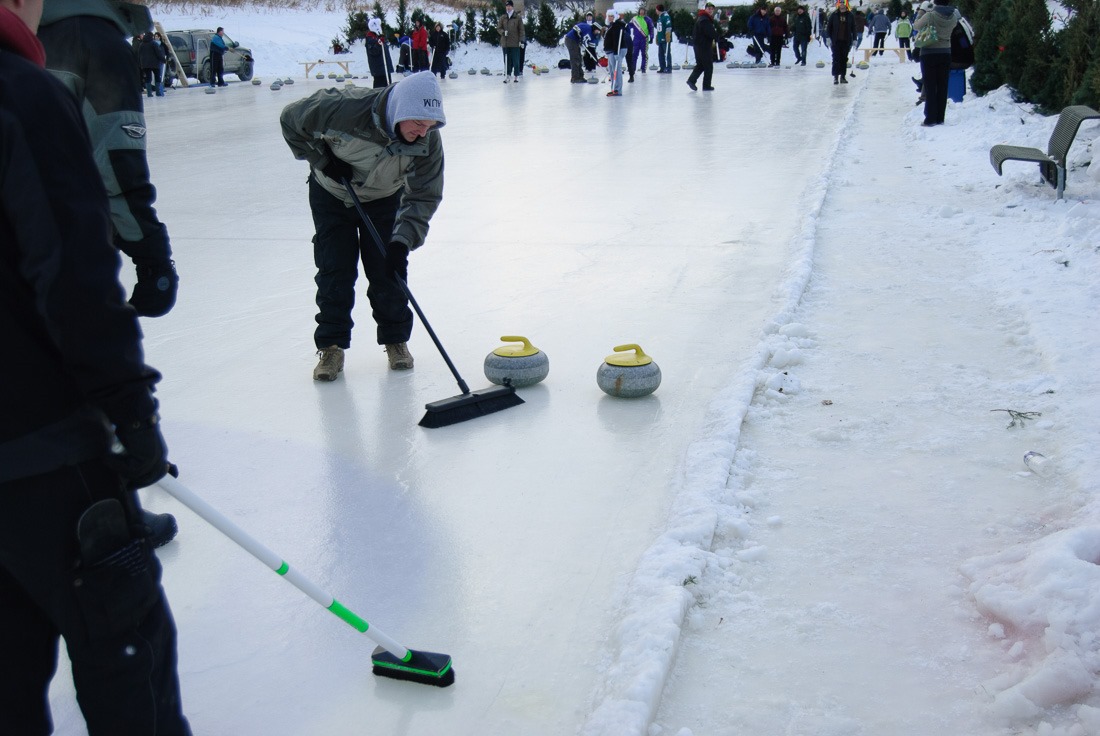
(193,50)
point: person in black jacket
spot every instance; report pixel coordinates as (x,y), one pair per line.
(703,39)
(77,33)
(440,44)
(86,49)
(378,55)
(152,56)
(74,561)
(842,31)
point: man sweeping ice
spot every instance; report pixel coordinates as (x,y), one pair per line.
(385,143)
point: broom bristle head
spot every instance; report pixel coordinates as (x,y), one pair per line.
(427,668)
(469,406)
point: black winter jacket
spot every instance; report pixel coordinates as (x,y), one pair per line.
(616,39)
(87,51)
(704,35)
(72,347)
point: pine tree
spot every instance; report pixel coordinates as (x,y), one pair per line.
(546,29)
(356,29)
(1079,50)
(487,30)
(1028,48)
(991,19)
(469,31)
(403,27)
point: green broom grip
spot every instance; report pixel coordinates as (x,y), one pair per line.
(216,519)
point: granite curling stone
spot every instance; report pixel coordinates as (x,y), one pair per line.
(516,365)
(628,375)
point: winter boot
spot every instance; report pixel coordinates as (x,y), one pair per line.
(399,356)
(330,364)
(148,89)
(844,79)
(836,80)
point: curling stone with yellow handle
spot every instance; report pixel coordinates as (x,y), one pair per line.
(516,365)
(627,374)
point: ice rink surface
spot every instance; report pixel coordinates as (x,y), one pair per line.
(578,221)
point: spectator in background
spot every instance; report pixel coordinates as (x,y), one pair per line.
(152,58)
(703,39)
(842,30)
(218,47)
(903,29)
(861,26)
(821,27)
(778,35)
(760,29)
(801,31)
(616,45)
(664,41)
(420,47)
(75,562)
(378,55)
(441,46)
(510,28)
(880,26)
(935,60)
(641,35)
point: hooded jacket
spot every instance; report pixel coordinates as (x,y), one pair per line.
(73,360)
(356,126)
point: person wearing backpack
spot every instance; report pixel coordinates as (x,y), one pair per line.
(935,58)
(903,29)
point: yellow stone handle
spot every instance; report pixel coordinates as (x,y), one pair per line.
(516,351)
(639,357)
(639,353)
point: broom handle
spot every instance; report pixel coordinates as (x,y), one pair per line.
(405,287)
(185,496)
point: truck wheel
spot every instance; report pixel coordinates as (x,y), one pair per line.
(244,72)
(204,72)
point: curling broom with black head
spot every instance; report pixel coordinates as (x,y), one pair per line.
(468,404)
(390,659)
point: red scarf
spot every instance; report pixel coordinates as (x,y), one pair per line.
(17,37)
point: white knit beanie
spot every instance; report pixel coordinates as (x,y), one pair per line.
(416,97)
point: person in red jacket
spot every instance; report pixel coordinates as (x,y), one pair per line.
(420,48)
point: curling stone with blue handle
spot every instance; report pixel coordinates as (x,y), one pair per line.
(628,375)
(516,365)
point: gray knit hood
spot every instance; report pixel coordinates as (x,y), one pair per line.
(416,97)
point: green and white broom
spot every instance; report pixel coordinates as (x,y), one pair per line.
(390,659)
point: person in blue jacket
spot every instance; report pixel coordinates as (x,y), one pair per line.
(582,35)
(218,47)
(74,559)
(760,28)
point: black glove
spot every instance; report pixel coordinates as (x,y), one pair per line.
(155,290)
(336,169)
(144,457)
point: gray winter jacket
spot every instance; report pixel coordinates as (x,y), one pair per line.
(352,124)
(944,18)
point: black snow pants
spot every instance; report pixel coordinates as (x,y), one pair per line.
(116,623)
(841,49)
(341,242)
